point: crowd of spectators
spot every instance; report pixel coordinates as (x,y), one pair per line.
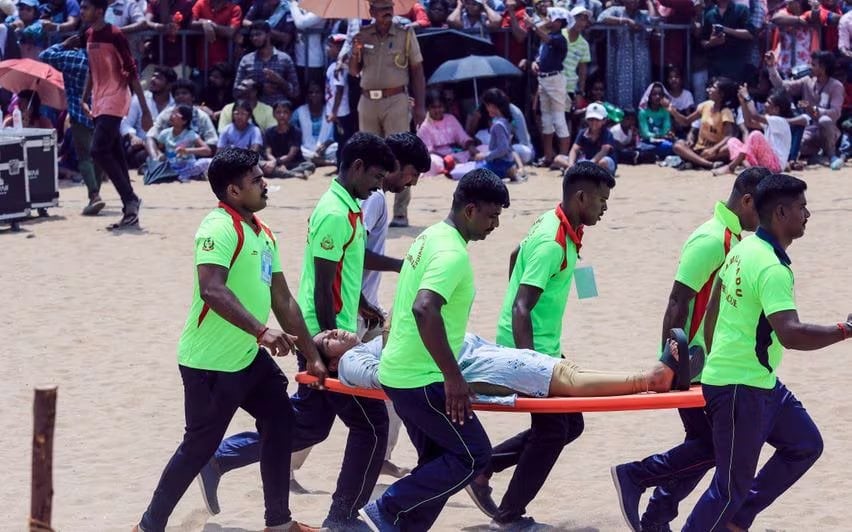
(688,83)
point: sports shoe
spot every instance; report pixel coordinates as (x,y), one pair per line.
(376,519)
(208,481)
(94,207)
(293,526)
(629,494)
(345,525)
(837,162)
(481,496)
(522,524)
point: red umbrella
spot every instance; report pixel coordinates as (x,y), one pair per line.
(17,75)
(350,8)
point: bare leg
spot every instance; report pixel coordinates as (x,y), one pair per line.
(731,168)
(688,154)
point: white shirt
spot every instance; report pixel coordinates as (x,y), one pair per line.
(121,13)
(132,123)
(777,133)
(309,46)
(334,79)
(375,213)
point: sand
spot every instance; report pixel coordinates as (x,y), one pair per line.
(100,314)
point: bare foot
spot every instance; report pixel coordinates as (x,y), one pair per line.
(722,170)
(660,377)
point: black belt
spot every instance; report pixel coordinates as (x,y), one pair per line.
(548,74)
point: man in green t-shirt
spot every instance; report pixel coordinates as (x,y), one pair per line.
(330,297)
(224,351)
(751,318)
(541,271)
(676,472)
(418,368)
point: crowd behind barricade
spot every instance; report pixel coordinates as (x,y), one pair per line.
(684,83)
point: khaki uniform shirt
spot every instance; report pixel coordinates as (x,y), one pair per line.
(386,60)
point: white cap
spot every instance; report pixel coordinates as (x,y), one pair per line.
(596,110)
(580,10)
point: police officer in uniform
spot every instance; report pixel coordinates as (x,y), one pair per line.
(387,58)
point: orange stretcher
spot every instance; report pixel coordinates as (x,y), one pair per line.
(553,405)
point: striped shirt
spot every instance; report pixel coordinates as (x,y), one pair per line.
(578,52)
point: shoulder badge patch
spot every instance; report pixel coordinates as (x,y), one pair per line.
(327,243)
(208,244)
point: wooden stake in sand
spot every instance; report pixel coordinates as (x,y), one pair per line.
(41,505)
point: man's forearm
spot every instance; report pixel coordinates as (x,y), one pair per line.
(224,303)
(289,316)
(430,325)
(381,263)
(674,318)
(522,328)
(324,305)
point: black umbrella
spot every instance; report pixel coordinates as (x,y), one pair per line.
(474,67)
(440,46)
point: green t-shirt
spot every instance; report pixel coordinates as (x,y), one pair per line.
(335,233)
(546,260)
(756,282)
(654,124)
(700,259)
(208,341)
(436,261)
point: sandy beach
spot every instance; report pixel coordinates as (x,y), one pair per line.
(99,315)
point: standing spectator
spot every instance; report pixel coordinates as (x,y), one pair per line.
(261,113)
(181,146)
(388,59)
(551,82)
(438,12)
(792,41)
(577,59)
(726,38)
(220,21)
(514,45)
(417,17)
(594,6)
(844,34)
(627,78)
(219,90)
(337,109)
(158,97)
(183,93)
(717,126)
(241,133)
(820,98)
(309,52)
(113,71)
(823,18)
(277,14)
(594,143)
(284,146)
(60,16)
(71,59)
(29,29)
(271,69)
(126,15)
(318,144)
(169,51)
(681,12)
(9,48)
(473,15)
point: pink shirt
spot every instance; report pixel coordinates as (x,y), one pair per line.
(440,136)
(112,68)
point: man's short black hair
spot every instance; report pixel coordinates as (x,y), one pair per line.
(775,190)
(585,172)
(747,181)
(409,149)
(184,84)
(99,4)
(369,148)
(480,186)
(260,25)
(826,59)
(228,167)
(168,74)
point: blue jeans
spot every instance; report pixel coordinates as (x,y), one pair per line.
(449,456)
(210,400)
(743,419)
(315,411)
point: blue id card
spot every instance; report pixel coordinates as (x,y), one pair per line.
(584,279)
(266,267)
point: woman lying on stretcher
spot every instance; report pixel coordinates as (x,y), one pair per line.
(491,369)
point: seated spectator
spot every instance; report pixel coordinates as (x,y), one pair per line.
(478,123)
(820,98)
(499,158)
(438,12)
(183,93)
(445,138)
(318,144)
(792,40)
(284,147)
(60,16)
(769,144)
(717,126)
(219,90)
(823,18)
(594,142)
(180,146)
(261,113)
(126,15)
(241,133)
(271,69)
(220,21)
(337,109)
(158,97)
(627,79)
(180,18)
(473,15)
(628,148)
(655,123)
(29,29)
(29,102)
(595,91)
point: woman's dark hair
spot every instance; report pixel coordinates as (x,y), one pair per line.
(228,167)
(286,104)
(728,92)
(245,106)
(781,99)
(498,98)
(185,112)
(826,59)
(433,96)
(654,85)
(34,100)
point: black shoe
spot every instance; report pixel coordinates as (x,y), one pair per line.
(481,496)
(398,222)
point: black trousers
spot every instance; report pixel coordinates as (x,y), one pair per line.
(108,152)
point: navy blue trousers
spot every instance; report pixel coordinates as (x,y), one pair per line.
(449,456)
(743,419)
(315,411)
(210,400)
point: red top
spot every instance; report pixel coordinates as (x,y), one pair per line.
(112,68)
(227,15)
